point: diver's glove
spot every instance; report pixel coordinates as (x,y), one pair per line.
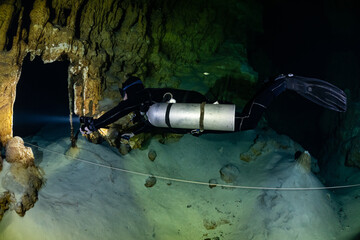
(317,91)
(87,125)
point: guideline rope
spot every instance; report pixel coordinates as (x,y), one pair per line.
(197,182)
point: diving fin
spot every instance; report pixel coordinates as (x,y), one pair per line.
(318,91)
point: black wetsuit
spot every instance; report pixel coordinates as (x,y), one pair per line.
(247,119)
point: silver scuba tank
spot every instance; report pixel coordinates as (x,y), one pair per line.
(218,117)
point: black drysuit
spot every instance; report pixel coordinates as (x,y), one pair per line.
(140,102)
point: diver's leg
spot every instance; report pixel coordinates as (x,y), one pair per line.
(316,90)
(253,110)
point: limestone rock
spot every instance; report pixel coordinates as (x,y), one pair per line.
(150,182)
(264,143)
(124,148)
(6,13)
(27,202)
(95,137)
(137,140)
(17,152)
(5,200)
(304,160)
(9,75)
(212,183)
(255,150)
(152,155)
(229,173)
(22,184)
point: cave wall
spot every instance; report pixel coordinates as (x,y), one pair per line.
(105,40)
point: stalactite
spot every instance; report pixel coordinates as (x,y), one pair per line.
(71,107)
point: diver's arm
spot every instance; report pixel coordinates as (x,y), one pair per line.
(121,110)
(89,124)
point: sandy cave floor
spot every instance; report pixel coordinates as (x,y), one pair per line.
(85,201)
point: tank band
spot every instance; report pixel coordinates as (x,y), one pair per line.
(167,118)
(202,113)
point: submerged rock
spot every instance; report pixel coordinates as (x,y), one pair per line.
(262,145)
(136,141)
(5,200)
(150,182)
(229,173)
(304,160)
(21,179)
(212,183)
(17,152)
(24,183)
(95,137)
(124,148)
(152,155)
(255,150)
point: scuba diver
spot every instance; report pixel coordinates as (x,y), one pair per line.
(181,111)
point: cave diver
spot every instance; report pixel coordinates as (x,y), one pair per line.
(181,111)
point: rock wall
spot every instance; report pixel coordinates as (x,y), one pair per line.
(107,40)
(9,72)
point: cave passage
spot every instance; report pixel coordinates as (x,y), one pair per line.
(41,96)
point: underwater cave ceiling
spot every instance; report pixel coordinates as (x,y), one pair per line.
(159,41)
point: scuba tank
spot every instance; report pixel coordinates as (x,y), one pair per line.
(217,117)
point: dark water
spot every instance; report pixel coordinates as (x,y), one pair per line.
(41,96)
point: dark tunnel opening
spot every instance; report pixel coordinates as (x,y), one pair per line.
(41,96)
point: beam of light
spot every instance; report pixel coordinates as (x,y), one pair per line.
(31,118)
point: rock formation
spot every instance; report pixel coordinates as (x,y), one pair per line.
(212,183)
(20,178)
(264,144)
(150,182)
(229,173)
(16,152)
(152,155)
(304,161)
